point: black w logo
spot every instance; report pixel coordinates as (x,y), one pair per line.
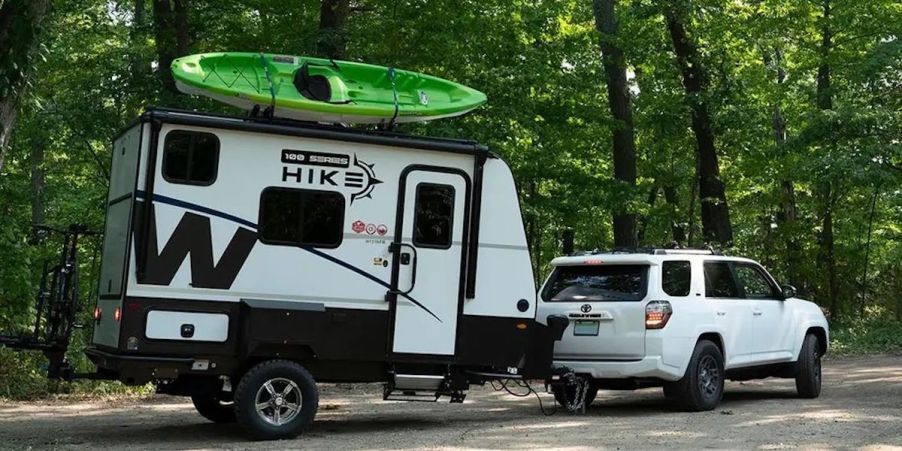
(192,236)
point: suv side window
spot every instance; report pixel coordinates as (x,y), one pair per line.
(754,283)
(719,281)
(676,277)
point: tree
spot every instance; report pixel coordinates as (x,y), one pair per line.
(716,225)
(170,23)
(624,142)
(20,29)
(827,192)
(333,19)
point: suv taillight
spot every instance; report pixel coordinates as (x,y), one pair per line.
(657,313)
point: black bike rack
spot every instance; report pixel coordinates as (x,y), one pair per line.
(58,305)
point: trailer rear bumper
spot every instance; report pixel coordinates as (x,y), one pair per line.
(139,369)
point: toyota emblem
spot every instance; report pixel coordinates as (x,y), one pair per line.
(585,308)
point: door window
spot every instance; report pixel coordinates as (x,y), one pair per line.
(719,281)
(754,283)
(433,219)
(676,278)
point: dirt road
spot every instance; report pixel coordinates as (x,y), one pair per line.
(860,407)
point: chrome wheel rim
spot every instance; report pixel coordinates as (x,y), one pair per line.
(708,376)
(278,401)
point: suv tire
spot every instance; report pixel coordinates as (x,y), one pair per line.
(591,393)
(808,371)
(276,399)
(701,388)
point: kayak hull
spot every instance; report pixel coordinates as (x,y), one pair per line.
(355,92)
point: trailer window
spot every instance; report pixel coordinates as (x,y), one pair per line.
(299,217)
(434,216)
(190,158)
(597,283)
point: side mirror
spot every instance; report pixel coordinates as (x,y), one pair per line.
(789,291)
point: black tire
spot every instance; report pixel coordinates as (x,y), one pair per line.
(808,371)
(701,388)
(278,384)
(214,409)
(558,392)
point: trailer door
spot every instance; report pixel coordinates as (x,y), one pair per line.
(428,261)
(120,200)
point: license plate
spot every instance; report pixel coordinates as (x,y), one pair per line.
(585,328)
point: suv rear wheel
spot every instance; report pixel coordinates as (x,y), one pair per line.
(701,388)
(562,394)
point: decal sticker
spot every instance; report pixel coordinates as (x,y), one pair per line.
(356,176)
(379,261)
(358,226)
(382,229)
(371,229)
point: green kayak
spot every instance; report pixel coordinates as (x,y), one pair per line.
(322,90)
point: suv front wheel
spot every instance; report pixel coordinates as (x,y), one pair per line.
(701,388)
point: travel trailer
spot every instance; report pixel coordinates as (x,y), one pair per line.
(246,259)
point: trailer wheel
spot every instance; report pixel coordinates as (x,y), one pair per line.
(276,399)
(214,409)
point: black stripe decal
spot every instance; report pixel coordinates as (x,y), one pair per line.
(243,222)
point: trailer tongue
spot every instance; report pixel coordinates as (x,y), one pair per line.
(245,260)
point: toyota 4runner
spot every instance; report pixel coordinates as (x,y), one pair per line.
(683,319)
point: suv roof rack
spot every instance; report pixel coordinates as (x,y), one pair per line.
(650,250)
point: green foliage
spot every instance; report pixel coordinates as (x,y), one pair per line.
(876,333)
(547,115)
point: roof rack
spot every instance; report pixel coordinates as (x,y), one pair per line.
(650,250)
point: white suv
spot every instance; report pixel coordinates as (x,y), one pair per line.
(682,319)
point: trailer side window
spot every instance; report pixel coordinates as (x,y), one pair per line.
(190,158)
(300,217)
(434,216)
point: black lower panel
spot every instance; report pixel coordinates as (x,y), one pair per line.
(335,344)
(501,342)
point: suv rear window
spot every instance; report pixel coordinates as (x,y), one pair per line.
(597,283)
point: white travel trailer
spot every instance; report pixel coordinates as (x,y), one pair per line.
(244,259)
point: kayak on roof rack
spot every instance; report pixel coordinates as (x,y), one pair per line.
(322,90)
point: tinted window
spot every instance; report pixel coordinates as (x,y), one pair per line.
(719,281)
(753,282)
(301,217)
(597,283)
(190,157)
(434,216)
(676,278)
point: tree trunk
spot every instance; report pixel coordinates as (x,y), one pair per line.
(624,143)
(20,26)
(38,145)
(787,216)
(170,27)
(138,63)
(333,19)
(676,230)
(715,212)
(828,198)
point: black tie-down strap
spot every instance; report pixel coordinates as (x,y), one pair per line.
(314,87)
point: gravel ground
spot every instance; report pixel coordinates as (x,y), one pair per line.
(860,407)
